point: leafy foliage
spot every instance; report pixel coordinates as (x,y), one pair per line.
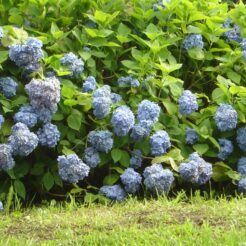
(115,39)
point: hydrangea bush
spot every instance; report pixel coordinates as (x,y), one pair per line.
(107,98)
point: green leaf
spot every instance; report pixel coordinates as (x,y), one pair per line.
(67,91)
(4,55)
(48,181)
(116,155)
(20,188)
(74,120)
(125,159)
(196,53)
(201,148)
(111,179)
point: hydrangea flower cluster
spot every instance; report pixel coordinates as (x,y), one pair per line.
(27,116)
(27,55)
(102,102)
(187,103)
(101,140)
(122,120)
(234,34)
(128,80)
(71,168)
(157,179)
(241,138)
(191,136)
(243,44)
(148,111)
(159,142)
(131,180)
(91,157)
(113,192)
(8,87)
(225,117)
(1,33)
(89,84)
(193,41)
(1,120)
(116,97)
(73,63)
(242,185)
(141,130)
(241,166)
(196,171)
(48,135)
(44,96)
(136,159)
(158,5)
(21,140)
(226,148)
(1,206)
(6,160)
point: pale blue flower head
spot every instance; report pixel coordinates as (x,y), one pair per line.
(113,192)
(159,142)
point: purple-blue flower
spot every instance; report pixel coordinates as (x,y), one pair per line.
(158,180)
(131,180)
(225,117)
(241,166)
(8,87)
(91,157)
(187,103)
(122,120)
(149,111)
(113,192)
(193,41)
(71,168)
(6,160)
(89,84)
(136,159)
(191,136)
(241,138)
(226,148)
(159,142)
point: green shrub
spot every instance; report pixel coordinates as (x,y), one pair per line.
(143,51)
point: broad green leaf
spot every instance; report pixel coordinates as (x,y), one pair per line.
(201,148)
(48,181)
(74,120)
(111,179)
(116,155)
(20,188)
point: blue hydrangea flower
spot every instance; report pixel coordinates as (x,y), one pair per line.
(128,81)
(241,166)
(45,114)
(244,55)
(159,142)
(187,103)
(193,41)
(44,95)
(1,207)
(8,87)
(113,192)
(22,141)
(86,49)
(71,168)
(116,97)
(242,185)
(148,110)
(157,179)
(101,140)
(157,6)
(27,55)
(48,135)
(226,148)
(74,64)
(136,159)
(243,44)
(196,171)
(1,32)
(89,84)
(1,120)
(102,102)
(234,34)
(27,116)
(122,120)
(6,160)
(91,157)
(141,130)
(241,138)
(225,117)
(191,136)
(131,180)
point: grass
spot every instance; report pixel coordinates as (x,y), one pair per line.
(149,222)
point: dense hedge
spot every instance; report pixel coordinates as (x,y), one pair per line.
(94,92)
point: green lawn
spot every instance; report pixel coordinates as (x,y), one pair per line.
(152,222)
